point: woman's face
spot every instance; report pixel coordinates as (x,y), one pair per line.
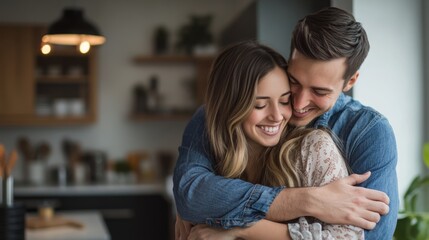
(271,111)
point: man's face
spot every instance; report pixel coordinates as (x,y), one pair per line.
(315,85)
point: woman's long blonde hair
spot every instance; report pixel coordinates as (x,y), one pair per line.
(280,161)
(281,167)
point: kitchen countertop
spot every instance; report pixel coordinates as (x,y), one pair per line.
(99,189)
(94,228)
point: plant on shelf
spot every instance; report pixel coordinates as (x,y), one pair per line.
(414,224)
(195,33)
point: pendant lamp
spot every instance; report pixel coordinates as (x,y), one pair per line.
(73,29)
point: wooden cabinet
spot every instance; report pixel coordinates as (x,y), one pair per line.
(202,65)
(37,89)
(65,87)
(16,71)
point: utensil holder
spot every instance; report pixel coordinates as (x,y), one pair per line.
(12,222)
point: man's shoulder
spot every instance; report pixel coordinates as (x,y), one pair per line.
(353,119)
(355,111)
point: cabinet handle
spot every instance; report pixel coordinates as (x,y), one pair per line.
(117,213)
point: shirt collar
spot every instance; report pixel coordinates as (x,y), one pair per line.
(323,119)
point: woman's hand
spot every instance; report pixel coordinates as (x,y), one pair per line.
(205,232)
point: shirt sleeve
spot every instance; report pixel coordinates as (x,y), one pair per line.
(321,163)
(374,149)
(201,196)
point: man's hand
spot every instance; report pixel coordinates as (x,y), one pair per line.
(339,202)
(182,229)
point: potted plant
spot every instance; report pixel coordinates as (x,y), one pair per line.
(195,33)
(413,224)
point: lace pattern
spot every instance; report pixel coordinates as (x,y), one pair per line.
(320,164)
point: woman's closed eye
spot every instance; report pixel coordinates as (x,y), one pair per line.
(260,106)
(284,100)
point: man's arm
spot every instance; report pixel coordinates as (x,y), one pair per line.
(339,202)
(203,197)
(375,150)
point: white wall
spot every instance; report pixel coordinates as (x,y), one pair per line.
(391,78)
(128,26)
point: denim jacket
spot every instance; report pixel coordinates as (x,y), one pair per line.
(203,197)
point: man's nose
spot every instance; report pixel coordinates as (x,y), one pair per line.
(300,100)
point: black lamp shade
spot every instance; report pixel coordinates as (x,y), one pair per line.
(72,29)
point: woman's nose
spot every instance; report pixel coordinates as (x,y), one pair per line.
(276,114)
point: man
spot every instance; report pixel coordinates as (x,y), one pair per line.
(327,49)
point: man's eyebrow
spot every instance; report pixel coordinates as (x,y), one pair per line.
(315,88)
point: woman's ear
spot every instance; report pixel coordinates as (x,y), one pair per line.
(351,82)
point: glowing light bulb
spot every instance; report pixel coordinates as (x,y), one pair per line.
(46,48)
(84,47)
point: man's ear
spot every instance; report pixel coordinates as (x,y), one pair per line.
(351,82)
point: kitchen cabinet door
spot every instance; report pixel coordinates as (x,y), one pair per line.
(16,70)
(35,89)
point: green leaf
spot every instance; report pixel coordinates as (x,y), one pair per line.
(412,225)
(410,197)
(412,186)
(413,203)
(402,231)
(426,154)
(425,181)
(414,230)
(422,226)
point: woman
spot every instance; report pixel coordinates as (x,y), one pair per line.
(247,109)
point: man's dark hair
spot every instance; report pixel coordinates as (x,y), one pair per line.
(329,34)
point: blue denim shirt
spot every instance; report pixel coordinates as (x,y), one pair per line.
(204,197)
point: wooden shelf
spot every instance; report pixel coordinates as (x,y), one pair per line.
(46,121)
(146,117)
(61,79)
(202,65)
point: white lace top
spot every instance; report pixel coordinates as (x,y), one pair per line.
(321,163)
